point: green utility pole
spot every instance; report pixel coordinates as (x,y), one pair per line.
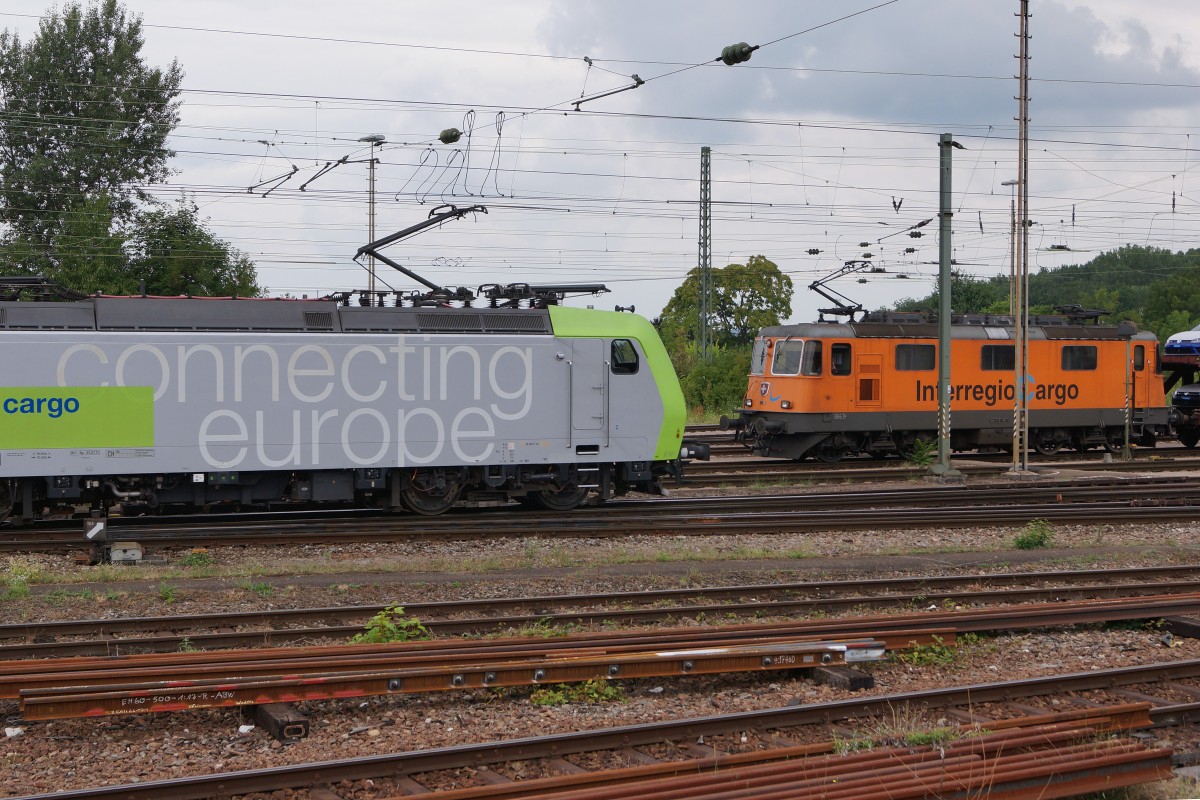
(942,467)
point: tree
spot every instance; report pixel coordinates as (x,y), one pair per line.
(84,123)
(174,253)
(83,116)
(91,256)
(745,298)
(967,296)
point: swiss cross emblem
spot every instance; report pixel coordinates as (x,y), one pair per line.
(763,388)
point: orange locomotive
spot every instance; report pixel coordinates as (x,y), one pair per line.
(833,389)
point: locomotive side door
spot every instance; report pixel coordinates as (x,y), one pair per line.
(587,384)
(868,389)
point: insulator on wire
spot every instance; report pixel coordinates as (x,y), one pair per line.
(450,136)
(736,53)
(812,251)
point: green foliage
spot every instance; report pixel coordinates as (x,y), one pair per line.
(899,727)
(262,589)
(930,737)
(745,298)
(937,654)
(84,122)
(546,629)
(83,115)
(174,253)
(846,745)
(719,385)
(167,593)
(16,590)
(196,558)
(59,597)
(1157,289)
(391,625)
(20,569)
(186,646)
(592,692)
(923,452)
(1037,534)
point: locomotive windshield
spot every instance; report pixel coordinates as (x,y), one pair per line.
(797,357)
(787,357)
(758,359)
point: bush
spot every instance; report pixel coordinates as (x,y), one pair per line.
(391,625)
(923,452)
(717,387)
(1037,534)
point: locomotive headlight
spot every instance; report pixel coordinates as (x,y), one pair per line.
(786,404)
(748,402)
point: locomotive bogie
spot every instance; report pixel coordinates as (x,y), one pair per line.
(178,403)
(831,390)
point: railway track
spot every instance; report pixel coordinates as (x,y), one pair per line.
(1136,500)
(64,687)
(723,737)
(732,472)
(566,612)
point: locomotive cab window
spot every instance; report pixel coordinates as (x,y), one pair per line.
(811,364)
(758,358)
(1139,357)
(915,357)
(788,353)
(1079,357)
(998,356)
(624,357)
(839,359)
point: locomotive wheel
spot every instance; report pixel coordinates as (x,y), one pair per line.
(1189,437)
(430,491)
(564,499)
(830,454)
(1045,446)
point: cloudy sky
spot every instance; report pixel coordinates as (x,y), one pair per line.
(825,140)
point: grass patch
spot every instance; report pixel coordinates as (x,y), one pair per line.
(196,558)
(59,597)
(591,692)
(546,628)
(901,727)
(261,588)
(937,654)
(19,572)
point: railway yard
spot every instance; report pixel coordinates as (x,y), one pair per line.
(771,629)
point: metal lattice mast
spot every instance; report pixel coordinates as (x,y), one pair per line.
(704,284)
(1021,323)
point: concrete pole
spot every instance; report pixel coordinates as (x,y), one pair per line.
(942,467)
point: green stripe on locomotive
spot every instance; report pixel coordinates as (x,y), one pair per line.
(586,323)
